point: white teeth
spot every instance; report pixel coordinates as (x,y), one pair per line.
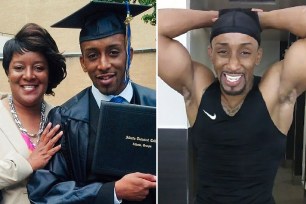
(232,78)
(28,88)
(104,77)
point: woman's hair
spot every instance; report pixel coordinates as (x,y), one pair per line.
(34,38)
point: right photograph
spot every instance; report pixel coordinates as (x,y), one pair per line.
(231,101)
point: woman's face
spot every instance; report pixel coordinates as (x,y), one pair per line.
(28,77)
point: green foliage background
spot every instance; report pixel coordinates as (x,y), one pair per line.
(147,18)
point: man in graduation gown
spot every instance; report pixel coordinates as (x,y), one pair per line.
(105,57)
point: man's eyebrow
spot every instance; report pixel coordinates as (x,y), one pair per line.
(89,49)
(247,43)
(93,48)
(225,44)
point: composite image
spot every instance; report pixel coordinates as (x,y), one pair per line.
(153,102)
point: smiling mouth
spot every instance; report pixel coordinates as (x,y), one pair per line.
(29,87)
(232,77)
(104,77)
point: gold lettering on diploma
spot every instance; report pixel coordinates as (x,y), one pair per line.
(141,141)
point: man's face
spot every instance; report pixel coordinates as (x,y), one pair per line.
(104,60)
(234,56)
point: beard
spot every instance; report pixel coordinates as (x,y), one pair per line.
(231,91)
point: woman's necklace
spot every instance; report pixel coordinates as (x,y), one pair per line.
(19,125)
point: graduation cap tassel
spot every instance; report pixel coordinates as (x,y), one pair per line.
(128,41)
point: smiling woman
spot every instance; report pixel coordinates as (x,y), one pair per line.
(28,77)
(34,67)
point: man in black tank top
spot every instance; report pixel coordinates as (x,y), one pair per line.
(239,122)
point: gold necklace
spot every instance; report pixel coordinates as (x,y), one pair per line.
(231,111)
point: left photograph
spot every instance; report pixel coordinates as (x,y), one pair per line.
(78,102)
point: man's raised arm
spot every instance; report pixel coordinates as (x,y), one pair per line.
(175,65)
(292,19)
(293,67)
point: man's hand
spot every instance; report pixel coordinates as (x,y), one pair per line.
(253,9)
(257,10)
(45,148)
(134,186)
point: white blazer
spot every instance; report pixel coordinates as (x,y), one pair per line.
(14,167)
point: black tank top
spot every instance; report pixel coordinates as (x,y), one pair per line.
(237,157)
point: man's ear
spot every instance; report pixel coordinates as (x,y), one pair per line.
(209,52)
(82,63)
(259,56)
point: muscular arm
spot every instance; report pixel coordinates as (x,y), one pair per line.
(293,67)
(175,65)
(291,19)
(287,78)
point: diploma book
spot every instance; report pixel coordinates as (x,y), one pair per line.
(126,140)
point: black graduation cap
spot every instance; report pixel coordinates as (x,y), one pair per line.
(100,19)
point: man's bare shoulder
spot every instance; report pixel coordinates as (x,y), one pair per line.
(270,82)
(203,77)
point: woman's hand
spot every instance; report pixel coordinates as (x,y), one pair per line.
(45,148)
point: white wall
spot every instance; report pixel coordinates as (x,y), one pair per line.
(170,107)
(3,40)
